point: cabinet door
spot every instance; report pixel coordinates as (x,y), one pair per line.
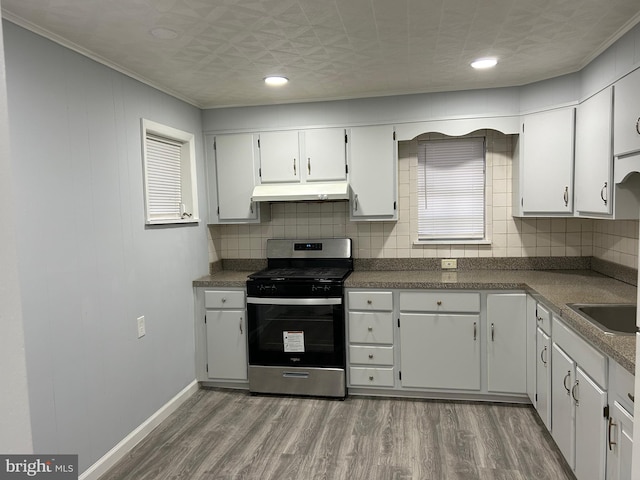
(226,344)
(506,343)
(531,349)
(373,173)
(626,137)
(234,167)
(325,156)
(594,158)
(279,157)
(590,428)
(547,155)
(440,351)
(620,440)
(562,410)
(543,377)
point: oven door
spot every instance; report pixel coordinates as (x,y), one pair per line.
(305,332)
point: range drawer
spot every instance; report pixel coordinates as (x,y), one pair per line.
(223,299)
(439,301)
(371,327)
(371,355)
(371,377)
(382,301)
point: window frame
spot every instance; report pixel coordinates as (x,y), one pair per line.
(188,178)
(421,238)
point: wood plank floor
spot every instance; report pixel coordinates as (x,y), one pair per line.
(230,435)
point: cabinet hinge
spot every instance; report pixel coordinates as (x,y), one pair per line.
(394,205)
(205,319)
(346,169)
(523,128)
(399,375)
(260,172)
(214,145)
(258,143)
(218,210)
(522,201)
(394,135)
(207,367)
(398,323)
(605,411)
(346,138)
(536,397)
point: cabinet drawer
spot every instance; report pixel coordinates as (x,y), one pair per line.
(588,358)
(439,302)
(371,377)
(543,318)
(223,299)
(371,327)
(371,355)
(621,385)
(382,301)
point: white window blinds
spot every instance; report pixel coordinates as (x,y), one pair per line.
(451,189)
(164,177)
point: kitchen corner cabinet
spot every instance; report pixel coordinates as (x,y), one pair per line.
(371,339)
(543,183)
(506,343)
(373,173)
(225,321)
(594,156)
(314,155)
(579,401)
(440,340)
(231,177)
(626,121)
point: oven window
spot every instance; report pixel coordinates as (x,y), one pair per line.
(309,335)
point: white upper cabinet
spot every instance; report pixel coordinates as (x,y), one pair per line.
(543,175)
(231,176)
(594,159)
(373,173)
(314,155)
(279,157)
(627,114)
(325,157)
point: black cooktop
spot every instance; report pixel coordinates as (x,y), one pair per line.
(311,273)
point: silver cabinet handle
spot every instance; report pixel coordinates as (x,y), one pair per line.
(492,334)
(564,382)
(241,332)
(295,171)
(638,126)
(542,352)
(611,425)
(566,196)
(355,203)
(573,392)
(251,207)
(309,165)
(604,188)
(475,331)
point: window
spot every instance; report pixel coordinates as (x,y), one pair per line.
(451,190)
(169,174)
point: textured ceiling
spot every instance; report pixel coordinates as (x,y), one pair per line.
(329,49)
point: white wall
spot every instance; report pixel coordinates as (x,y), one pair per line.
(87,264)
(15,424)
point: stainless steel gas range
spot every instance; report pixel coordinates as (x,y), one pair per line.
(296,318)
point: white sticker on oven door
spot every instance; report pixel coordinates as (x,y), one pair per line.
(293,341)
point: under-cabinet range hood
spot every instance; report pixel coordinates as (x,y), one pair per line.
(287,192)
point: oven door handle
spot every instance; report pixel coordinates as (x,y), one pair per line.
(294,301)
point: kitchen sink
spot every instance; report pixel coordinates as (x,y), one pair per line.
(611,318)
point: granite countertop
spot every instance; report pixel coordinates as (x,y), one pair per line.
(555,288)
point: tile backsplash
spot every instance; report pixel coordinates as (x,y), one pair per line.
(615,241)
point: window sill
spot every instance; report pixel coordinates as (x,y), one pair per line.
(452,242)
(173,221)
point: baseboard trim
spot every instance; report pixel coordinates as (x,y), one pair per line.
(110,458)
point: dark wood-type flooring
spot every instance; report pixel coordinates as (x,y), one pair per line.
(229,435)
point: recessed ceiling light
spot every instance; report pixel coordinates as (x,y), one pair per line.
(484,63)
(162,33)
(275,80)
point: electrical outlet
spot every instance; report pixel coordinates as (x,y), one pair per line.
(141,328)
(449,263)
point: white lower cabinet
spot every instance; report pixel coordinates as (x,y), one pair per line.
(620,443)
(543,377)
(579,401)
(370,337)
(440,351)
(225,321)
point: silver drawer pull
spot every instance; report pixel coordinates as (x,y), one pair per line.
(295,374)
